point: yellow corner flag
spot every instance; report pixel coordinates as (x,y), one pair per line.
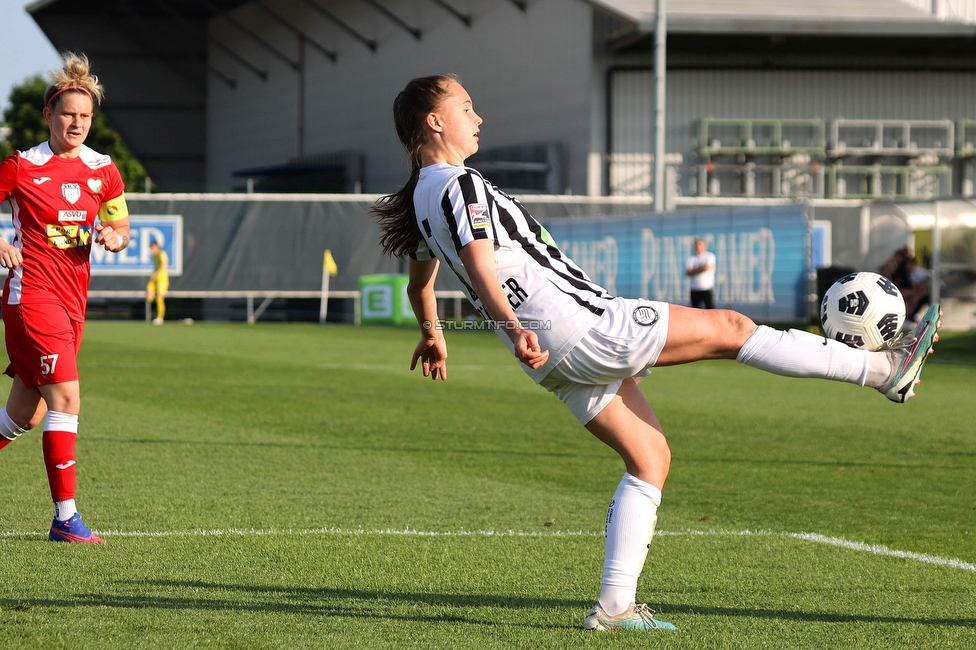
(330,265)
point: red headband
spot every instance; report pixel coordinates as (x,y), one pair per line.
(81,88)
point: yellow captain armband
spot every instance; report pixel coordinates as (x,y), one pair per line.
(114,209)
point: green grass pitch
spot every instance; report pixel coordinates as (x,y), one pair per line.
(291,485)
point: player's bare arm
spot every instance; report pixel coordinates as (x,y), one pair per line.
(478,258)
(431,351)
(10,257)
(114,236)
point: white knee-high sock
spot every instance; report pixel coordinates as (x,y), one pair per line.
(630,525)
(9,428)
(796,353)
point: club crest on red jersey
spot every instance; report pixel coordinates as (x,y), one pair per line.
(71,192)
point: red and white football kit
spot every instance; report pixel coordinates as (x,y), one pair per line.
(55,203)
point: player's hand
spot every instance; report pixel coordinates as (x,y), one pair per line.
(109,238)
(432,353)
(528,351)
(10,257)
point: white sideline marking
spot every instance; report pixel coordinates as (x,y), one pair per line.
(874,549)
(257,532)
(877,549)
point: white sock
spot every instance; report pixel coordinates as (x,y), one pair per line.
(58,421)
(64,510)
(630,525)
(9,428)
(796,353)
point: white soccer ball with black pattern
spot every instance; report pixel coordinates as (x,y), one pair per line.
(864,310)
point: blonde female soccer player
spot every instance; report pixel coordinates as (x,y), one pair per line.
(592,347)
(57,190)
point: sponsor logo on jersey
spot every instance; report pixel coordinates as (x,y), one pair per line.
(72,215)
(41,179)
(95,185)
(63,237)
(645,316)
(71,191)
(84,235)
(479,215)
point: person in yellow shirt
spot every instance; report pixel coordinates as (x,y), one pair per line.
(158,282)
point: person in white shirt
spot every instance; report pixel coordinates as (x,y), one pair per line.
(700,267)
(571,336)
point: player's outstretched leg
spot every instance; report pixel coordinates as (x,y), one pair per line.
(909,354)
(795,353)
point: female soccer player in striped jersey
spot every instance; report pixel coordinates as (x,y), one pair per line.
(56,190)
(586,346)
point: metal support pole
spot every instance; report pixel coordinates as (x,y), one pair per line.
(936,289)
(260,310)
(660,66)
(324,301)
(300,118)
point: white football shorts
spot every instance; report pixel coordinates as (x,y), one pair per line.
(625,342)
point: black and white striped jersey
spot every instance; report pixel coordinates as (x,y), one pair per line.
(550,294)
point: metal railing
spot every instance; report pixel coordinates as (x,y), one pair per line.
(966,138)
(891,137)
(889,181)
(760,137)
(750,179)
(266,298)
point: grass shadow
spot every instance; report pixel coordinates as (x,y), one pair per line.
(811,617)
(777,462)
(344,603)
(380,605)
(334,447)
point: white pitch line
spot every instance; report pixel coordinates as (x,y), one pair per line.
(874,549)
(877,549)
(256,532)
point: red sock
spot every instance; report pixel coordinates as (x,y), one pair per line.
(4,442)
(59,458)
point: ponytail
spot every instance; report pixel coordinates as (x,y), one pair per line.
(395,212)
(398,218)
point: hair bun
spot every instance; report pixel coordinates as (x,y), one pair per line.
(76,73)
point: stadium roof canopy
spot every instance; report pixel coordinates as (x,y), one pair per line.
(867,17)
(152,55)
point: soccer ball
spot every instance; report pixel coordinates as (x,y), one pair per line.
(863,310)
